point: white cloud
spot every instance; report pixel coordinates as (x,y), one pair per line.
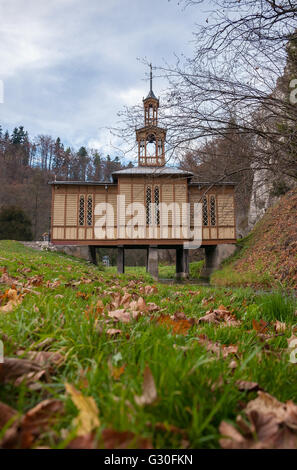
(69,65)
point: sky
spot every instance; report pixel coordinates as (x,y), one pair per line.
(69,66)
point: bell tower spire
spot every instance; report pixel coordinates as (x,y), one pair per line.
(151,137)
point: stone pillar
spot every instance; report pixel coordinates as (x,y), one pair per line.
(152,264)
(92,254)
(147,258)
(121,259)
(182,263)
(211,260)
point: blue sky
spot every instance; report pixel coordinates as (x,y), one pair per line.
(69,66)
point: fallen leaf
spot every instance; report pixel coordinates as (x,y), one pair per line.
(280,326)
(120,315)
(124,440)
(113,332)
(21,370)
(260,326)
(177,325)
(220,316)
(25,430)
(6,414)
(87,419)
(88,441)
(149,391)
(271,425)
(116,372)
(14,299)
(246,386)
(221,350)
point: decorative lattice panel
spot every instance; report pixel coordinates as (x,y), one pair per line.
(205,211)
(212,210)
(81,216)
(157,202)
(90,210)
(148,205)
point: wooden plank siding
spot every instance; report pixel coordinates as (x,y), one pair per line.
(66,226)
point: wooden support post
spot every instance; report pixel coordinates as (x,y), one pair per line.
(121,259)
(182,263)
(152,265)
(92,254)
(211,260)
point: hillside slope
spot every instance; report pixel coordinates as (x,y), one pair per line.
(267,257)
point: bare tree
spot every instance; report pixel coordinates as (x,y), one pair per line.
(242,65)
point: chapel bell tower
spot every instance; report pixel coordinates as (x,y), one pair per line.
(151,138)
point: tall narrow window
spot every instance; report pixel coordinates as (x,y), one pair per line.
(212,210)
(205,211)
(148,205)
(90,210)
(157,202)
(81,216)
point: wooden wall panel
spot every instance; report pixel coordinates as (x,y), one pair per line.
(70,233)
(225,209)
(71,210)
(59,209)
(81,233)
(226,232)
(58,233)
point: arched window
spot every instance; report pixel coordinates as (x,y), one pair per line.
(205,211)
(81,215)
(148,205)
(212,210)
(90,210)
(157,202)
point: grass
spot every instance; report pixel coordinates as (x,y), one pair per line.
(185,373)
(165,271)
(267,257)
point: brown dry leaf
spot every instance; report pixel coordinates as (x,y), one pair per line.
(179,326)
(24,431)
(232,364)
(120,315)
(271,425)
(246,386)
(14,299)
(206,301)
(116,372)
(87,419)
(152,307)
(141,304)
(220,316)
(6,279)
(221,350)
(21,370)
(34,281)
(44,357)
(148,290)
(260,326)
(88,441)
(124,440)
(99,307)
(126,299)
(6,414)
(113,332)
(117,300)
(280,326)
(149,391)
